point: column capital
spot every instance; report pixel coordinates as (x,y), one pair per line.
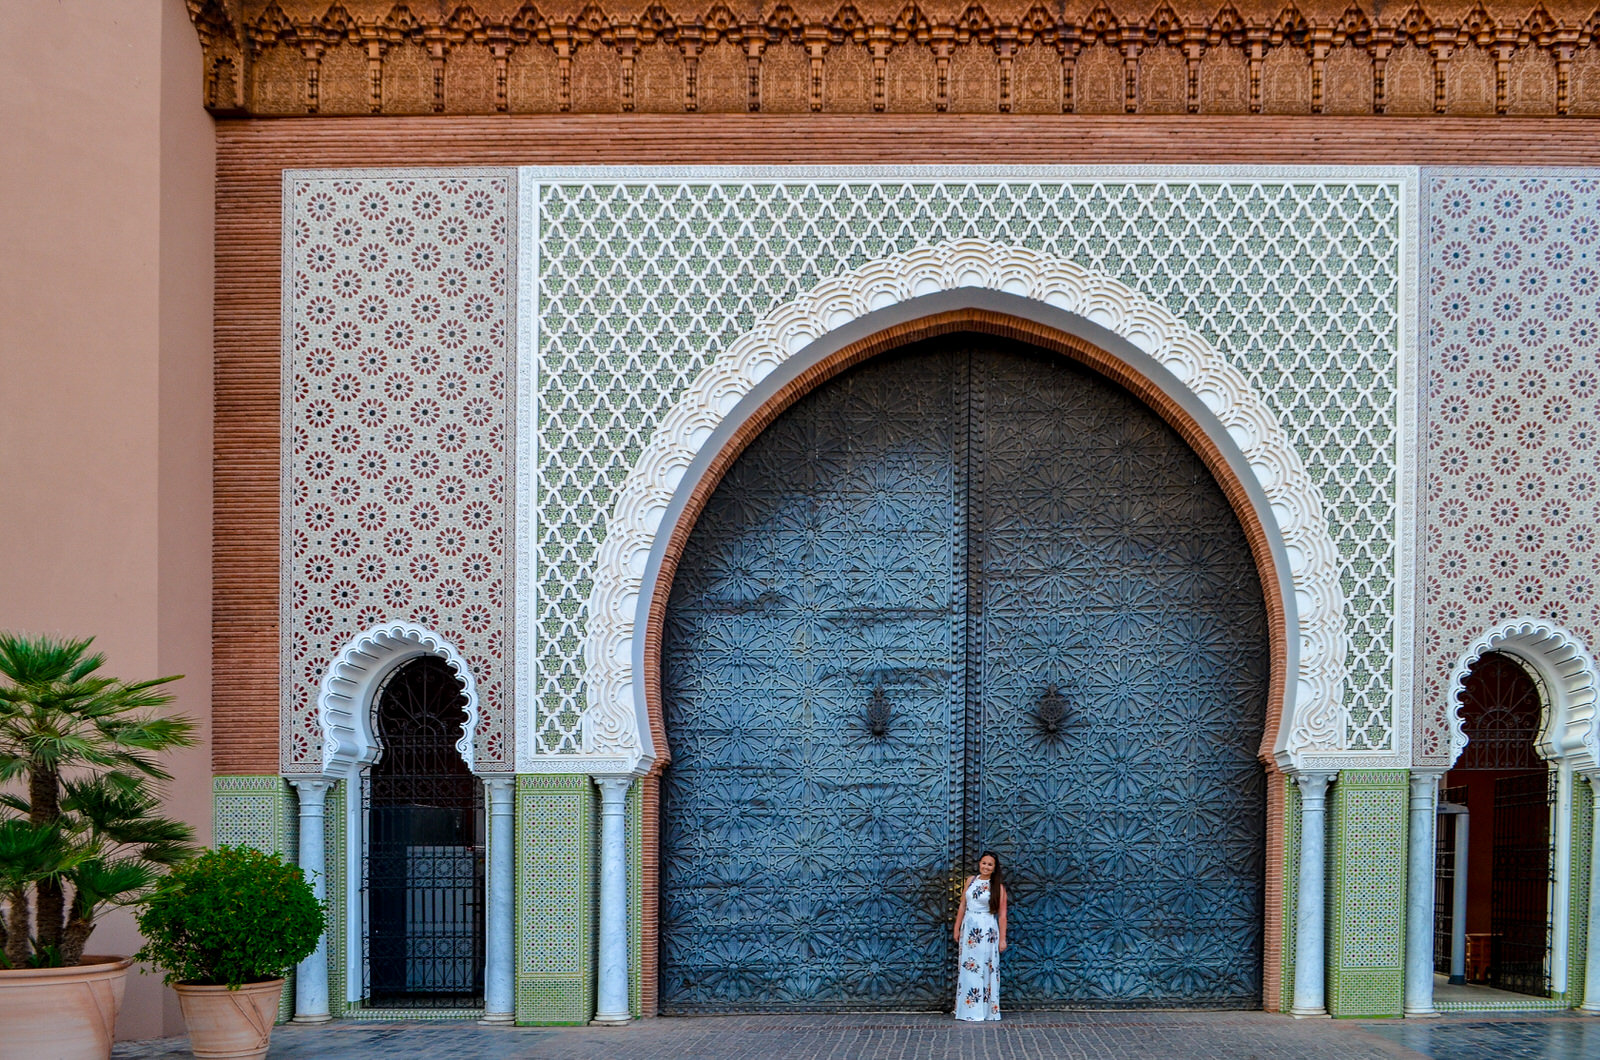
(499,784)
(1313,783)
(1425,783)
(312,790)
(612,785)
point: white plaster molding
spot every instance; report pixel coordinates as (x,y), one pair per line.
(615,721)
(344,703)
(1563,665)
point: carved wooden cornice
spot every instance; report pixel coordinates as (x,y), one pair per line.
(286,57)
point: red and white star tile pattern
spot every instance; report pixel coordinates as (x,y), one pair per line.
(1512,377)
(398,432)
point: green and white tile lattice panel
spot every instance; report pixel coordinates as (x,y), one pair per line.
(556,862)
(1367,892)
(641,278)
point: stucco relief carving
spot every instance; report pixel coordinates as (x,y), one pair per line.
(1567,672)
(278,57)
(344,703)
(616,723)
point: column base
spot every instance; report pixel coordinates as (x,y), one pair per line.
(322,1017)
(611,1021)
(498,1019)
(1420,1014)
(1309,1014)
(1458,980)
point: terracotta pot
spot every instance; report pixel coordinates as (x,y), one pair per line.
(62,1013)
(230,1023)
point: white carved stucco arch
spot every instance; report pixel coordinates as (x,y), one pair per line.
(616,722)
(1570,731)
(344,703)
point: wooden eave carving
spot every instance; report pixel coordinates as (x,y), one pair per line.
(300,57)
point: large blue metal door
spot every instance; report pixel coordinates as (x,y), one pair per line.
(965,597)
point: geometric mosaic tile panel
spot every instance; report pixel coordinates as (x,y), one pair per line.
(255,811)
(643,279)
(1367,892)
(1511,348)
(555,900)
(396,388)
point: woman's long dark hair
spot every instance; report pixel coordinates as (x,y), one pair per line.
(997,883)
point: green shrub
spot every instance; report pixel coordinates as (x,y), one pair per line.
(231,916)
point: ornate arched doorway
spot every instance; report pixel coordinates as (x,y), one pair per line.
(965,596)
(422,878)
(1495,857)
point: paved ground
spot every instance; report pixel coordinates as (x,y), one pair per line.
(1021,1036)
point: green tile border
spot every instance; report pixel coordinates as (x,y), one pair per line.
(335,844)
(556,866)
(1291,890)
(380,1015)
(1366,930)
(1582,832)
(1532,1004)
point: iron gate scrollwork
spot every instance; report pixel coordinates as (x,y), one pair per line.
(423,874)
(1050,593)
(1521,881)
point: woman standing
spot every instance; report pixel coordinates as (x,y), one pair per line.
(980,940)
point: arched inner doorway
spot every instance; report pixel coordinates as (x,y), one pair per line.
(965,596)
(1495,857)
(422,885)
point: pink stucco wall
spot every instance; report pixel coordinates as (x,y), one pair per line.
(105,357)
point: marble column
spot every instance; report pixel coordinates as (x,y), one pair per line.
(1591,966)
(611,1006)
(311,974)
(498,1006)
(1419,895)
(1310,983)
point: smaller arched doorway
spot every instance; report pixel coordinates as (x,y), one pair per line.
(1495,857)
(422,876)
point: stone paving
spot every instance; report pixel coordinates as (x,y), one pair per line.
(1021,1036)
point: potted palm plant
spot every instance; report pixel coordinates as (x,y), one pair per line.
(226,927)
(81,832)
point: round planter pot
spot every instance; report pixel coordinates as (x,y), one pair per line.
(62,1013)
(230,1023)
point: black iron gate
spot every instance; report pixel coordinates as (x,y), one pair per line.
(961,598)
(1523,876)
(423,874)
(1445,867)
